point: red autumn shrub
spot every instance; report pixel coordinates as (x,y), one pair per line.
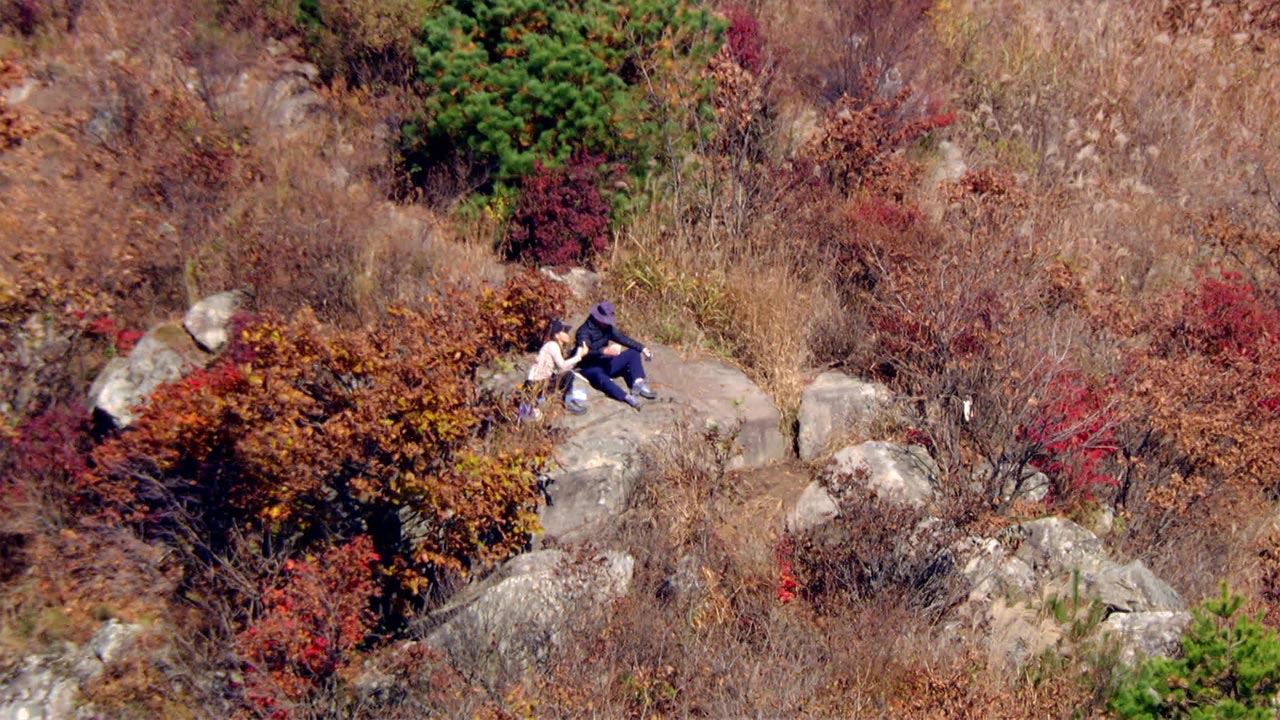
(562,218)
(312,618)
(888,213)
(1074,432)
(314,433)
(46,452)
(746,41)
(1225,319)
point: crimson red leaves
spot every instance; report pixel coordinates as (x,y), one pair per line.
(562,218)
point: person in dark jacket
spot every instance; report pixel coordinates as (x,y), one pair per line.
(611,354)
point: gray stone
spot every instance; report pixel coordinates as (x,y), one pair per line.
(598,465)
(814,507)
(1026,483)
(835,407)
(513,618)
(166,353)
(281,95)
(1132,588)
(208,319)
(583,283)
(1146,634)
(1017,634)
(48,687)
(1054,545)
(992,572)
(106,646)
(904,474)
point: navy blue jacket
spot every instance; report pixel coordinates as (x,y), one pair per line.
(597,336)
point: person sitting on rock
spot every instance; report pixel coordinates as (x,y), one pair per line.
(612,354)
(551,370)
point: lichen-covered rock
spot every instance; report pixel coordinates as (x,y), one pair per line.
(166,353)
(905,474)
(1056,545)
(1131,588)
(47,687)
(834,407)
(209,319)
(514,617)
(1145,634)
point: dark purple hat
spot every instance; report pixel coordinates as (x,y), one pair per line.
(604,314)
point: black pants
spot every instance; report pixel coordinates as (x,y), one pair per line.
(560,383)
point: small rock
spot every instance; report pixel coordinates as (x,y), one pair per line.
(208,319)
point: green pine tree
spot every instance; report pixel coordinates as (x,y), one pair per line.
(518,81)
(1230,668)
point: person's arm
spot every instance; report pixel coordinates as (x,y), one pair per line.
(563,363)
(619,337)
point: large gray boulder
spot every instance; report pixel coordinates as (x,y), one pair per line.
(1145,634)
(601,460)
(1132,588)
(209,319)
(1060,549)
(166,353)
(905,474)
(517,615)
(992,572)
(835,407)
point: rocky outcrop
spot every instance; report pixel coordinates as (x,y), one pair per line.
(837,407)
(48,687)
(1058,548)
(166,353)
(282,95)
(209,319)
(514,617)
(582,283)
(902,474)
(601,460)
(1057,559)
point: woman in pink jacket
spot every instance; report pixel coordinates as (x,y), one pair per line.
(553,371)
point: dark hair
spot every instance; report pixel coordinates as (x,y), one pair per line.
(555,327)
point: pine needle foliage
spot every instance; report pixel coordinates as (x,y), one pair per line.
(1230,668)
(514,82)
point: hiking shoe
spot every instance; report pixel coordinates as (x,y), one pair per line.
(574,407)
(632,401)
(641,388)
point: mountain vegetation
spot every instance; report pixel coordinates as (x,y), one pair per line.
(1052,227)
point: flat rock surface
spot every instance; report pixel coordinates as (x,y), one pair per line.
(598,465)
